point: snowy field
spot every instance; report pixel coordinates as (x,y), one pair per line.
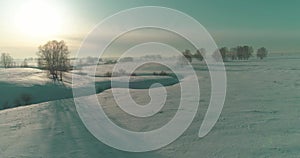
(24,86)
(260,118)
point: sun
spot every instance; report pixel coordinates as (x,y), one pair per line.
(38,18)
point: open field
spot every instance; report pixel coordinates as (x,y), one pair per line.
(260,118)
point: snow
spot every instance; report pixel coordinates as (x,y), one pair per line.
(260,118)
(15,83)
(18,82)
(25,76)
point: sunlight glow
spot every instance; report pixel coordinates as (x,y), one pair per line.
(38,18)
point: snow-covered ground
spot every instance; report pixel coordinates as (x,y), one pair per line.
(260,118)
(23,86)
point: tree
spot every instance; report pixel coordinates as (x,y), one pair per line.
(6,60)
(261,52)
(24,63)
(248,51)
(54,57)
(188,55)
(200,53)
(221,54)
(217,55)
(239,52)
(186,58)
(91,60)
(244,52)
(26,98)
(224,53)
(233,53)
(126,59)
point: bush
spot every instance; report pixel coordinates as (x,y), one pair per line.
(5,105)
(162,73)
(111,62)
(26,98)
(108,74)
(17,102)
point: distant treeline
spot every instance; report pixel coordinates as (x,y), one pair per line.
(62,61)
(225,53)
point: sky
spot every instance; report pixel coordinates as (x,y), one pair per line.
(26,24)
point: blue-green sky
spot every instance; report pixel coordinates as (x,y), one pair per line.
(269,23)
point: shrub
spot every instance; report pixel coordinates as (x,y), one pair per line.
(26,98)
(5,105)
(163,73)
(17,102)
(108,74)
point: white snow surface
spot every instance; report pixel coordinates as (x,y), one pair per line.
(18,82)
(25,76)
(260,118)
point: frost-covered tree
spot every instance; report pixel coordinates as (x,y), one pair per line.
(54,57)
(224,53)
(188,55)
(24,63)
(217,55)
(6,60)
(221,54)
(244,52)
(200,54)
(185,58)
(233,53)
(261,52)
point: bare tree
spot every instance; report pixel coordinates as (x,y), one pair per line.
(24,63)
(6,60)
(188,55)
(244,52)
(224,53)
(200,53)
(217,55)
(248,51)
(233,53)
(186,58)
(261,52)
(54,57)
(26,98)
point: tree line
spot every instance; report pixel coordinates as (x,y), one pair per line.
(54,57)
(6,60)
(225,53)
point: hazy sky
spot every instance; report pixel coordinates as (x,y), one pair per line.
(26,24)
